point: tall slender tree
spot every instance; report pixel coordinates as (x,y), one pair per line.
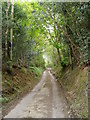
(11,33)
(6,40)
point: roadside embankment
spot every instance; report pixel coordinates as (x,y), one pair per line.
(15,86)
(75,85)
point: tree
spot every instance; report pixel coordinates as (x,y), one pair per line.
(11,33)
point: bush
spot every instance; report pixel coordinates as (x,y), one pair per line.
(3,100)
(37,71)
(23,70)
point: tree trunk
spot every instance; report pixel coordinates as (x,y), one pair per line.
(6,40)
(59,54)
(55,61)
(56,34)
(11,33)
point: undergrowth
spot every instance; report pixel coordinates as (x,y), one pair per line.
(37,72)
(21,78)
(75,83)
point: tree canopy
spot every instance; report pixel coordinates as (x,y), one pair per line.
(40,34)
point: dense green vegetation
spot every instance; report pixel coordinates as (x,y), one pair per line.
(54,29)
(39,35)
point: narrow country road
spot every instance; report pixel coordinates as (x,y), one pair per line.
(46,100)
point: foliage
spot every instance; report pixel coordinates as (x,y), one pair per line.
(3,100)
(57,30)
(25,50)
(23,70)
(36,71)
